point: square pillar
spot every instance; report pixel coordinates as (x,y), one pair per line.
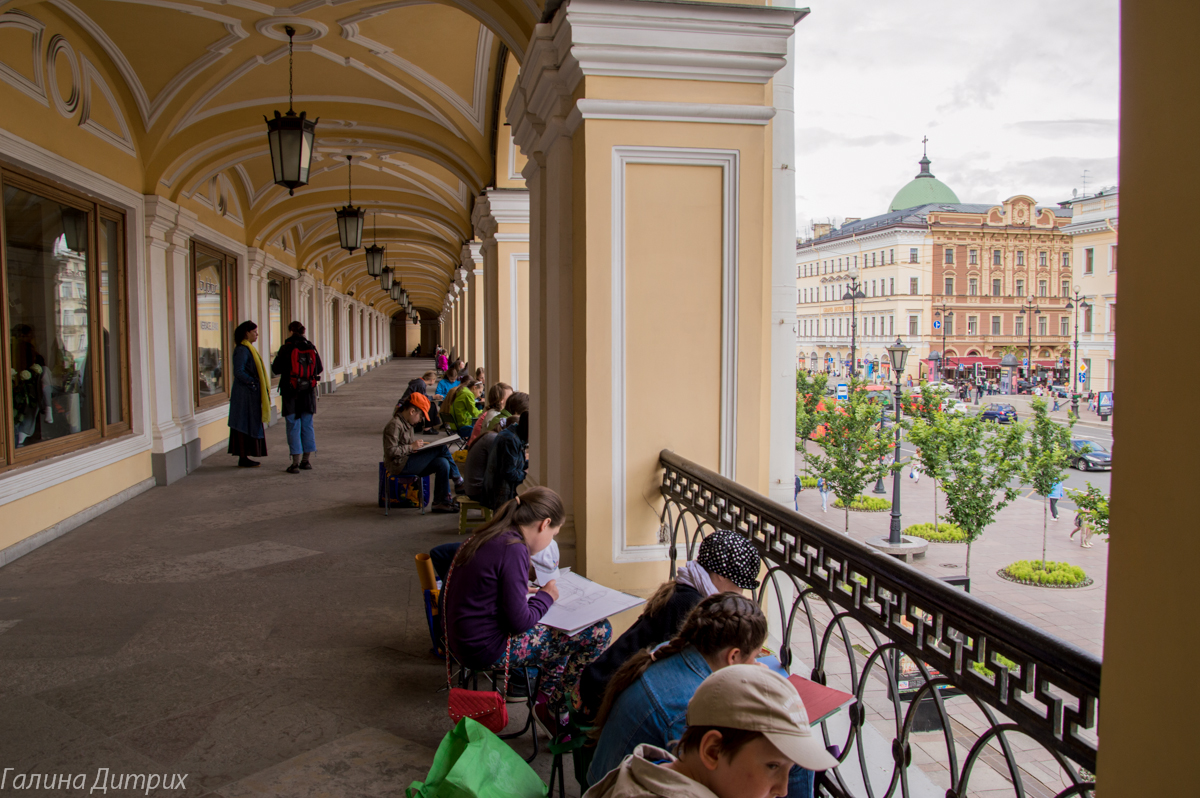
(652,251)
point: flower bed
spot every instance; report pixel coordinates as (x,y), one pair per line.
(945,532)
(1045,574)
(866,504)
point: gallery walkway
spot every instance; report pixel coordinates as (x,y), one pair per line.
(260,631)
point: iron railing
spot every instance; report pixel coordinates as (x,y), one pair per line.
(1005,703)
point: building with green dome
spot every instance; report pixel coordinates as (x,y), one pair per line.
(924,189)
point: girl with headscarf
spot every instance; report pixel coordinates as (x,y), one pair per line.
(249,398)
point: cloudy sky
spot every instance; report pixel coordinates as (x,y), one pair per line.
(1017,97)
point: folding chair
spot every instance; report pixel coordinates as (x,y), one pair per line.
(387,482)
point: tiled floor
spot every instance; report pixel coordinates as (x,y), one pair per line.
(260,632)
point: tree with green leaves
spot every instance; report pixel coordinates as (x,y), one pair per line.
(851,446)
(810,394)
(1048,454)
(925,407)
(1092,504)
(978,463)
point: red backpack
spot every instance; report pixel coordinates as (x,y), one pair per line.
(304,369)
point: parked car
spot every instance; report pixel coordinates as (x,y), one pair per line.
(1091,456)
(1001,414)
(950,405)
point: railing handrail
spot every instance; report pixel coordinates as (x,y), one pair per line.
(1055,661)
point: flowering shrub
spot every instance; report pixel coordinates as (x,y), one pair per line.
(1045,574)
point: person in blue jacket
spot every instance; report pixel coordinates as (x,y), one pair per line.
(1056,493)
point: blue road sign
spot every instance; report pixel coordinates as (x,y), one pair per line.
(937,325)
(1024,361)
(1082,378)
(843,391)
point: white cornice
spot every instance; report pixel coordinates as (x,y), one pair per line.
(668,112)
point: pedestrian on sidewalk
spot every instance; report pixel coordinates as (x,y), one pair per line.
(298,366)
(914,470)
(796,497)
(823,489)
(1081,526)
(249,398)
(1056,493)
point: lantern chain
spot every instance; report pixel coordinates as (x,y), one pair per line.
(290,32)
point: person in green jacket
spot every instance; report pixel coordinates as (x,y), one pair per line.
(463,410)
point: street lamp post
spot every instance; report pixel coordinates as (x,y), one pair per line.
(898,353)
(853,293)
(1030,310)
(1076,303)
(944,313)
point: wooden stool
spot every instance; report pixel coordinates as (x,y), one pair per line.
(465,506)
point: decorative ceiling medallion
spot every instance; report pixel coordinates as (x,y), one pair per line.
(68,105)
(307,30)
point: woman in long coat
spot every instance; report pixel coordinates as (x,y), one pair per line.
(249,398)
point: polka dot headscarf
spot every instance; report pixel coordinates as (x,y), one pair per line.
(732,556)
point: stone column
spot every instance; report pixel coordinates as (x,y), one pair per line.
(472,266)
(651,248)
(172,400)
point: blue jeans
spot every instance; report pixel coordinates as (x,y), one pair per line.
(800,781)
(301,439)
(441,557)
(433,460)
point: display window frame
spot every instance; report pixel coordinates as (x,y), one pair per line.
(228,305)
(101,430)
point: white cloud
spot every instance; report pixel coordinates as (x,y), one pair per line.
(1016,98)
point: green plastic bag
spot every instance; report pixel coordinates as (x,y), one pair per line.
(472,762)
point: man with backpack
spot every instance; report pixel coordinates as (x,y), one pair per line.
(299,368)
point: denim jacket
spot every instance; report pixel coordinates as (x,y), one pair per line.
(652,710)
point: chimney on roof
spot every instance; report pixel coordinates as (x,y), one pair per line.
(821,229)
(850,219)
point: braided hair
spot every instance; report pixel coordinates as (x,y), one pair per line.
(723,620)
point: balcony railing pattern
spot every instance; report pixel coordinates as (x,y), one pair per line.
(1004,695)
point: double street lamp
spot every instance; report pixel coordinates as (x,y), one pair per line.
(1030,310)
(898,353)
(853,293)
(1076,303)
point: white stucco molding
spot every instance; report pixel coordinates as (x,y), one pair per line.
(626,38)
(645,111)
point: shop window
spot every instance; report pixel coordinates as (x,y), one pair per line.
(279,313)
(63,281)
(213,281)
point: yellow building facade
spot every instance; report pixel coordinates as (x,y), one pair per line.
(1093,232)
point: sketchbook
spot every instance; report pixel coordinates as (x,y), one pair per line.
(582,602)
(440,441)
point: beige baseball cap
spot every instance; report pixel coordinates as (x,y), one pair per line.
(753,698)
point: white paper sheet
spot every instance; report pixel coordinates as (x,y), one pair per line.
(582,602)
(438,441)
(544,576)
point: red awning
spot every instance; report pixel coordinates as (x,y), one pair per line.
(989,362)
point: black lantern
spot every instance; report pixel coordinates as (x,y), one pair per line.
(898,354)
(290,138)
(375,254)
(349,218)
(75,228)
(385,278)
(396,291)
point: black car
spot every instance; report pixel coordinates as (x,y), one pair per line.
(1090,456)
(1024,386)
(1001,414)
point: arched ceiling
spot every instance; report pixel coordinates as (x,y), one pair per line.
(406,87)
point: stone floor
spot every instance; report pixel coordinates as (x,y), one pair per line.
(258,631)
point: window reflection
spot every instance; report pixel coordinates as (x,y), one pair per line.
(47,254)
(210,350)
(112,327)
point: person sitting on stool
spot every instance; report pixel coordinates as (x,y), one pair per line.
(404,455)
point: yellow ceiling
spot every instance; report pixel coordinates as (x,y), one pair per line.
(407,88)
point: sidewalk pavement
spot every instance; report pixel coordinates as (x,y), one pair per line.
(1075,615)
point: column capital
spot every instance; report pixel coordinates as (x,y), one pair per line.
(497,206)
(472,255)
(167,221)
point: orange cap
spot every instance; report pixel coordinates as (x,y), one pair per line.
(421,402)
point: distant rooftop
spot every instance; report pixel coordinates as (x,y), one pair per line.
(915,217)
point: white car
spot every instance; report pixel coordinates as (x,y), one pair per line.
(953,406)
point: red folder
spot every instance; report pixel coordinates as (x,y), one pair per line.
(819,701)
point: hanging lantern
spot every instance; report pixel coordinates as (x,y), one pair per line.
(349,218)
(385,278)
(396,290)
(75,228)
(290,138)
(375,254)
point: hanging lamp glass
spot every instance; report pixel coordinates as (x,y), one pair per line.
(349,218)
(375,253)
(385,278)
(290,138)
(396,289)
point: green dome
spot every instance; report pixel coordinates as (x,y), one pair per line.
(924,189)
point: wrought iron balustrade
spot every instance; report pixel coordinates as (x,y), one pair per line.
(1000,698)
